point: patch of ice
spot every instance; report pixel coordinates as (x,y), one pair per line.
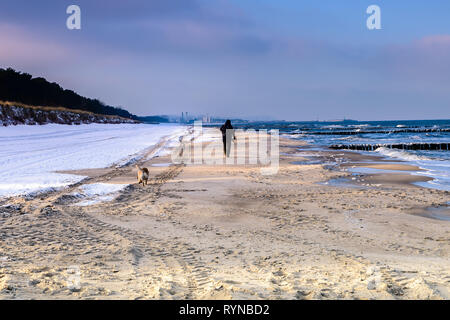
(97,200)
(99,189)
(99,192)
(160,164)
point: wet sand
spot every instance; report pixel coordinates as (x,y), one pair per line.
(229,232)
(385,166)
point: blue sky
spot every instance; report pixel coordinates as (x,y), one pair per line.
(284,59)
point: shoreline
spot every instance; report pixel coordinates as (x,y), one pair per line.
(387,171)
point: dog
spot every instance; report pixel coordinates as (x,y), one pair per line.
(142,175)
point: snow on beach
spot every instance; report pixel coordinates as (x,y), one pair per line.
(30,155)
(98,192)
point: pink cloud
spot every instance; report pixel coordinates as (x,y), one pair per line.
(18,46)
(435,41)
(425,61)
(433,47)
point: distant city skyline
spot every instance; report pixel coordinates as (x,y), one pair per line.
(249,59)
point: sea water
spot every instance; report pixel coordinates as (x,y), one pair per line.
(435,163)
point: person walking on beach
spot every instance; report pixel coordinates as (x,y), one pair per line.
(227,133)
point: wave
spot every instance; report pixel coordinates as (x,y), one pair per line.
(398,146)
(400,154)
(359,125)
(352,138)
(333,126)
(438,170)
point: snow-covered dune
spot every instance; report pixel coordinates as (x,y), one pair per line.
(11,114)
(30,155)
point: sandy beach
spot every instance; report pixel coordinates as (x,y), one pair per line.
(229,232)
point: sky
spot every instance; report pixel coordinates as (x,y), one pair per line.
(254,59)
